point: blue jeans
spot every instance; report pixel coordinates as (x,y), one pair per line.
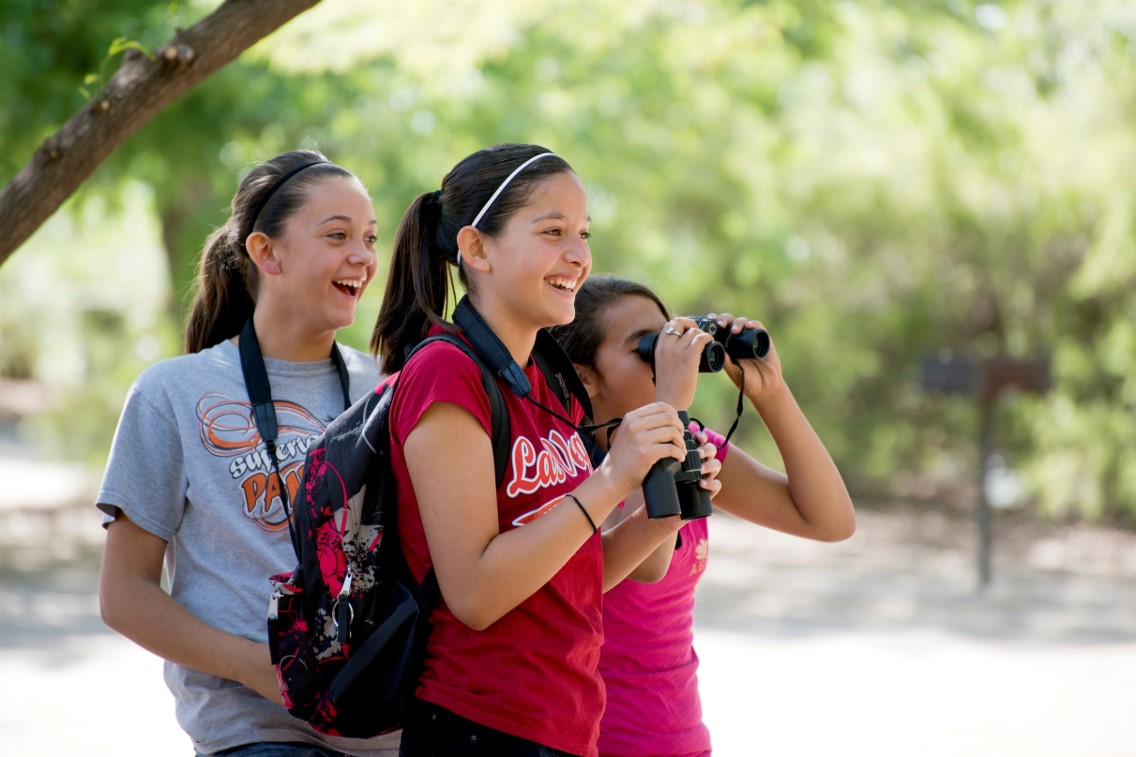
(280,749)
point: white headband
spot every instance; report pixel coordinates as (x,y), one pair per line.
(505,183)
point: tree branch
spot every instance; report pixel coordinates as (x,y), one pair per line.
(137,92)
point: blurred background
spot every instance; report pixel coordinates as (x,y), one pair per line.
(906,193)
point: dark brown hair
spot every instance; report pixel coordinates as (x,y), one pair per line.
(418,280)
(582,337)
(226,280)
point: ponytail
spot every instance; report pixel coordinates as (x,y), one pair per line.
(223,302)
(418,284)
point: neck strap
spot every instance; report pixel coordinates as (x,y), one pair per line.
(547,353)
(264,411)
(492,350)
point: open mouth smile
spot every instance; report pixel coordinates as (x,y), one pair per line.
(563,283)
(350,287)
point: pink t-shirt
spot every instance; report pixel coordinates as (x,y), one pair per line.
(535,672)
(648,660)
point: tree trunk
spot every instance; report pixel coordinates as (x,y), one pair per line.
(138,91)
(178,214)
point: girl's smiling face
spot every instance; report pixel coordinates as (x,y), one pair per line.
(326,257)
(541,257)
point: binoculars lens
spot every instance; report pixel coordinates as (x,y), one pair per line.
(751,343)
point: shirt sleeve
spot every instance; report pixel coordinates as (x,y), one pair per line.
(440,372)
(145,476)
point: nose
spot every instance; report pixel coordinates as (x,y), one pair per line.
(363,255)
(578,252)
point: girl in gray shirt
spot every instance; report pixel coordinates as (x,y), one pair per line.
(190,484)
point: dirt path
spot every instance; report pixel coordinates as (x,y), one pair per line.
(877,646)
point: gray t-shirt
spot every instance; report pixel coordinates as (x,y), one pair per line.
(188,465)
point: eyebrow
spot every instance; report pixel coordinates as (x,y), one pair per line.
(635,336)
(342,218)
(554,214)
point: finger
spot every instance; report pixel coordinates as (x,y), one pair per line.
(658,430)
(662,441)
(737,324)
(711,468)
(660,449)
(699,338)
(711,485)
(684,322)
(656,410)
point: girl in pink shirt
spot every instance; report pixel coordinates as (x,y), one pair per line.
(648,661)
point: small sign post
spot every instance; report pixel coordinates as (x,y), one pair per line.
(985,381)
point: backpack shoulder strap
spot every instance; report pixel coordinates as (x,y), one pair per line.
(498,414)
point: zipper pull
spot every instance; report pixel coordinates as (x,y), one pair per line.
(274,605)
(345,591)
(343,613)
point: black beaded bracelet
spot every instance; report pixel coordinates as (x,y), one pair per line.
(580,505)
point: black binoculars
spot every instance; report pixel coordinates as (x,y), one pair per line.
(671,487)
(749,344)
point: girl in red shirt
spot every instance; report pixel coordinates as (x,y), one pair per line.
(513,652)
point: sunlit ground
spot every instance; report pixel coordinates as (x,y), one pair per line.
(878,646)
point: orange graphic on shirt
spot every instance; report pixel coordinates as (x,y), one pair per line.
(228,430)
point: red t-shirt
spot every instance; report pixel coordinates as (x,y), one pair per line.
(535,672)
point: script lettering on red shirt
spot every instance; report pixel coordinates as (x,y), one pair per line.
(557,460)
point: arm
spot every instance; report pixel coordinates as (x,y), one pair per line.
(132,602)
(629,534)
(636,546)
(810,498)
(482,572)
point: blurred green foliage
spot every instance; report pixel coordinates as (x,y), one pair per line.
(875,180)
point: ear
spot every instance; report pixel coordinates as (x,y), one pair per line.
(473,249)
(263,253)
(588,378)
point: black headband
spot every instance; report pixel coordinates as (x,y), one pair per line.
(271,191)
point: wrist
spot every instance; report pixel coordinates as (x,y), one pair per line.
(602,492)
(770,399)
(677,399)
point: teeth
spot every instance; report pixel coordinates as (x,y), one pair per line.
(353,283)
(567,284)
